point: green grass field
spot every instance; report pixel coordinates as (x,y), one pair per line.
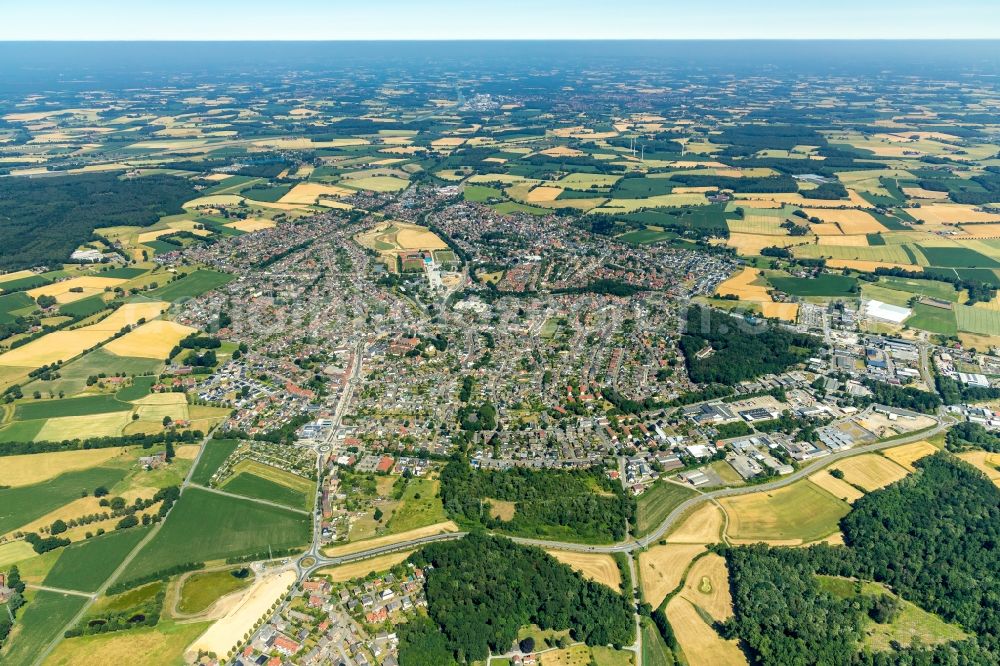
(269,194)
(932,319)
(508,207)
(645,236)
(201,590)
(957,257)
(73,375)
(205,526)
(52,408)
(38,624)
(481,193)
(822,285)
(977,320)
(251,485)
(83,307)
(799,511)
(124,273)
(656,503)
(86,565)
(418,507)
(25,283)
(640,188)
(19,506)
(193,284)
(140,388)
(12,302)
(654,651)
(21,431)
(216,452)
(930,288)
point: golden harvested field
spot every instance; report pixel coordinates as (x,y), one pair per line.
(16,275)
(28,469)
(702,526)
(379,183)
(562,151)
(850,221)
(448,142)
(988,463)
(88,285)
(907,454)
(981,230)
(429,530)
(662,567)
(252,224)
(765,225)
(838,488)
(750,244)
(921,193)
(419,238)
(64,345)
(702,646)
(215,200)
(707,585)
(870,471)
(307,193)
(795,199)
(362,568)
(842,241)
(951,214)
(543,193)
(742,285)
(826,229)
(594,566)
(502,509)
(783,311)
(95,425)
(217,176)
(154,339)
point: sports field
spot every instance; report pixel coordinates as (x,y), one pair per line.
(205,526)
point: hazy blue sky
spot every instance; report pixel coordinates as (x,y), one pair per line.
(498,19)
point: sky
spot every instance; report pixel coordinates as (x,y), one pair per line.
(213,20)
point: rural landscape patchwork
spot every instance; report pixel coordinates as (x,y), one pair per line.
(557,354)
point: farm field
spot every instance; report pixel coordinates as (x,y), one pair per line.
(204,526)
(870,471)
(154,646)
(701,645)
(662,567)
(654,651)
(216,453)
(26,470)
(20,506)
(656,504)
(38,624)
(345,572)
(153,340)
(193,284)
(250,484)
(906,454)
(701,526)
(799,513)
(86,565)
(594,566)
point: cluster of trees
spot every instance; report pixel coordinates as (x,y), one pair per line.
(143,440)
(955,393)
(476,419)
(930,537)
(15,601)
(971,435)
(44,219)
(603,286)
(742,351)
(749,184)
(825,191)
(583,502)
(146,614)
(904,397)
(482,589)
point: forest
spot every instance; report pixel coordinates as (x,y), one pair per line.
(581,504)
(482,589)
(741,351)
(42,220)
(931,538)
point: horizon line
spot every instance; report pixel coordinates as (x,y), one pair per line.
(500,39)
